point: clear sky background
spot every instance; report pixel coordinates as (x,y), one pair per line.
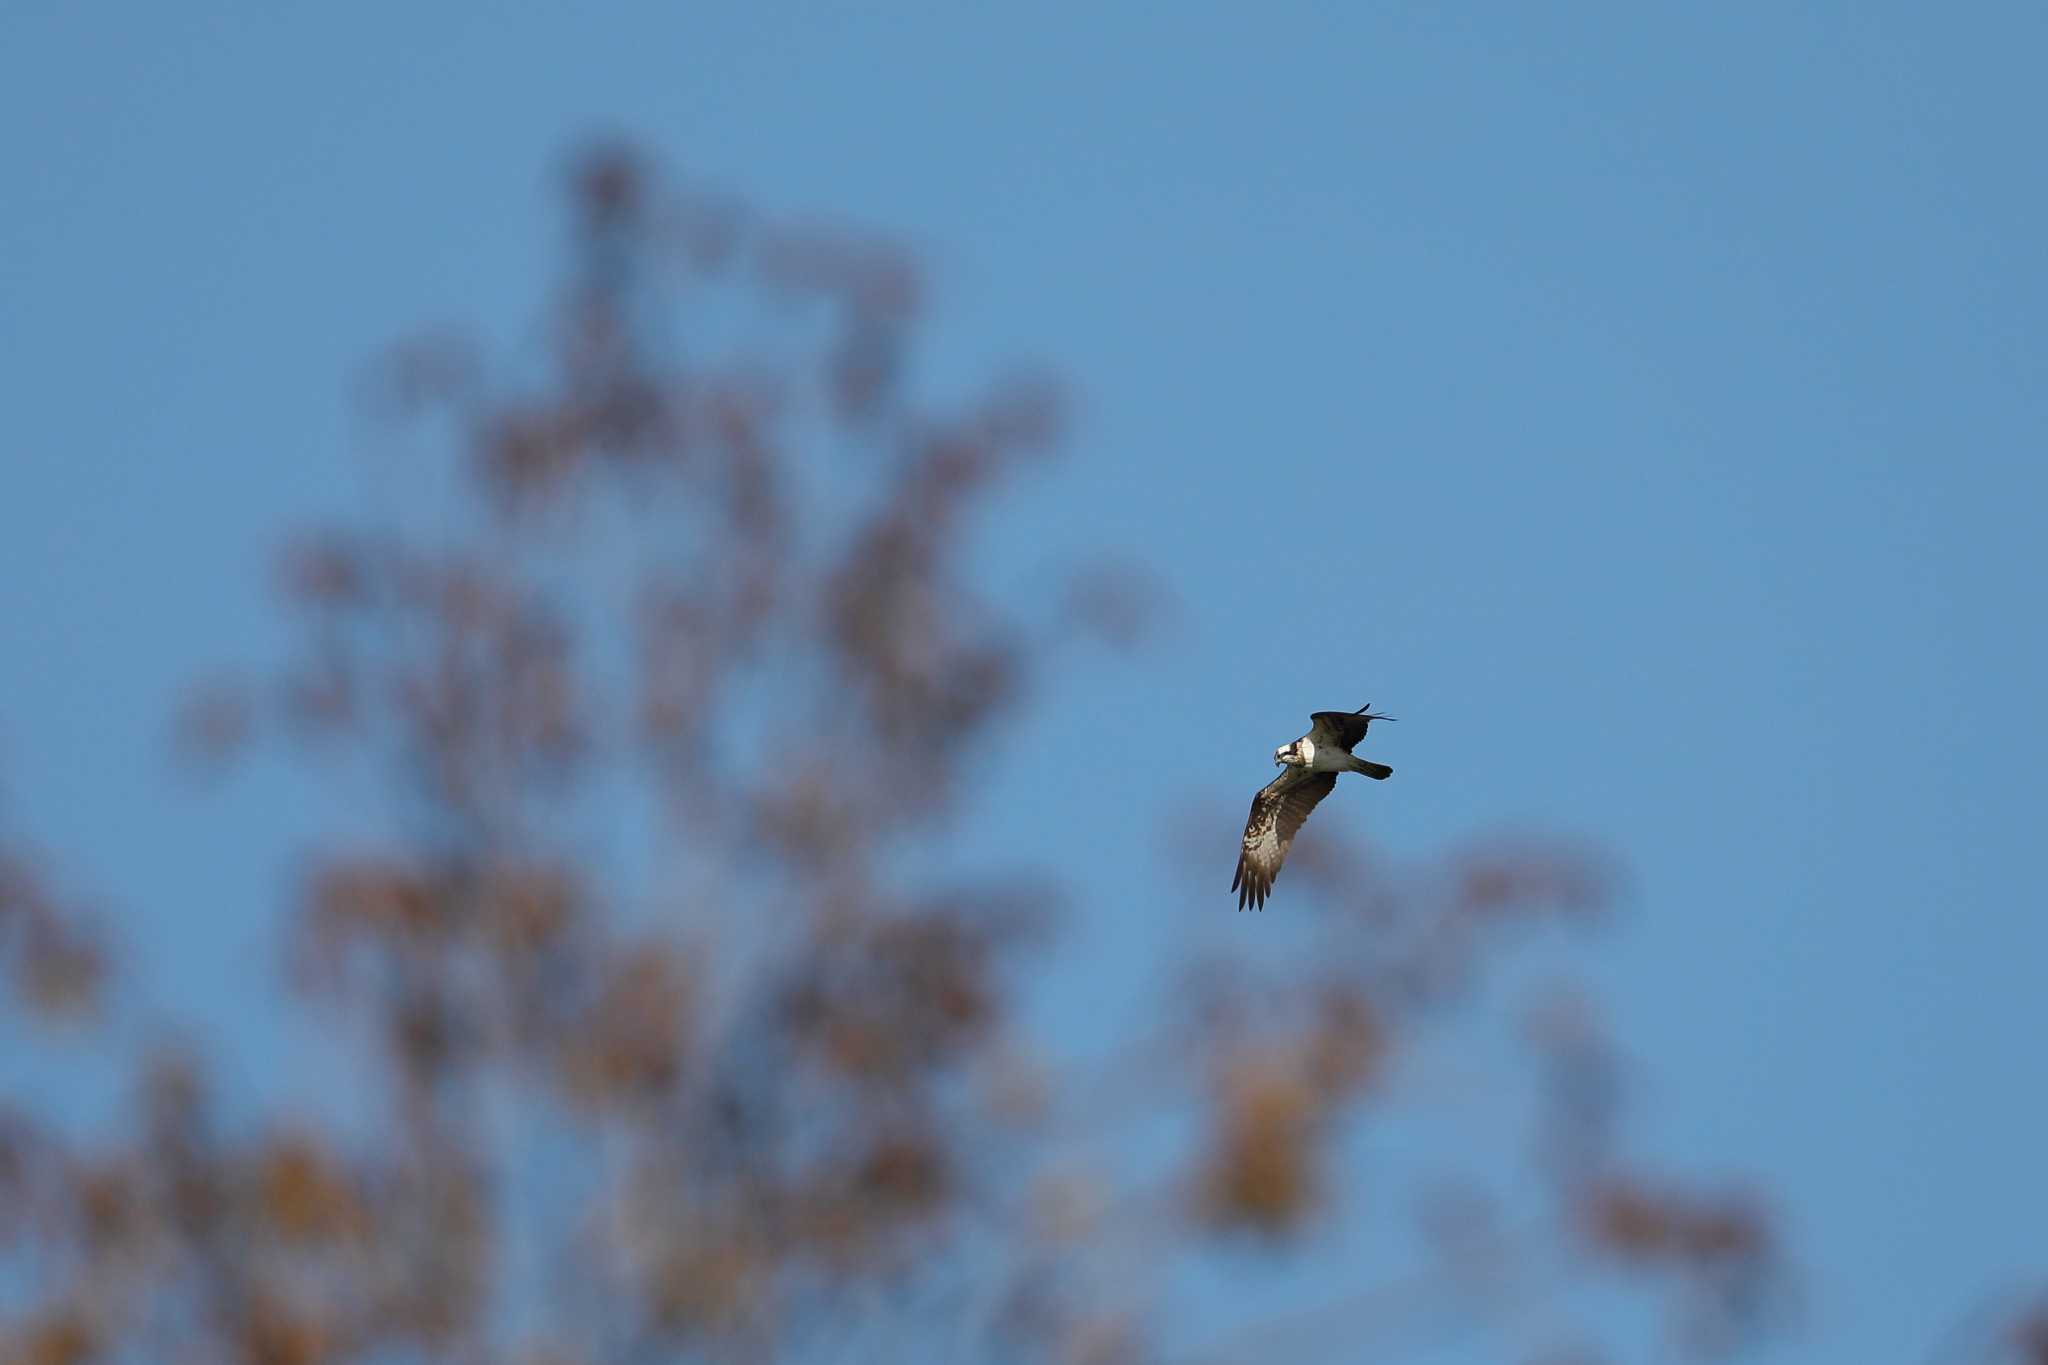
(1644,402)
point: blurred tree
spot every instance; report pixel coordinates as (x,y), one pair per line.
(759,1087)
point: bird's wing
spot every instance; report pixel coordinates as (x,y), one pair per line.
(1277,812)
(1341,729)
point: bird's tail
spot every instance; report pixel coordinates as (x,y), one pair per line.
(1379,772)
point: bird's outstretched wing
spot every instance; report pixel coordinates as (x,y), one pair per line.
(1277,812)
(1340,728)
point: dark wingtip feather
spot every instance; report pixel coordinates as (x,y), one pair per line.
(1250,887)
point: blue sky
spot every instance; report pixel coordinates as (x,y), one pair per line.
(1646,403)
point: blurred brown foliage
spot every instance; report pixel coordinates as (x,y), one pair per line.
(761,1085)
(2006,1329)
(49,948)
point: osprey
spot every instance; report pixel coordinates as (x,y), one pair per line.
(1312,763)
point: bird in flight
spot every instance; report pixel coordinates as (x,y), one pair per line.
(1311,766)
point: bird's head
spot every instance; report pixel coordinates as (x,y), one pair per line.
(1300,754)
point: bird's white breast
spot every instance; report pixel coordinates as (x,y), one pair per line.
(1327,759)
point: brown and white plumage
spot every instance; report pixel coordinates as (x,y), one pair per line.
(1312,764)
(1277,813)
